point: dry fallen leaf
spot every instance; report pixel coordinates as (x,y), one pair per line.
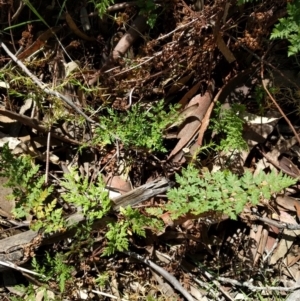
(192,124)
(287,239)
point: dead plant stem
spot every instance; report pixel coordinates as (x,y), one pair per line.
(170,278)
(47,157)
(276,104)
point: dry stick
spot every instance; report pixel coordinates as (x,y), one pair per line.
(276,104)
(258,288)
(248,284)
(208,286)
(171,279)
(47,157)
(176,29)
(49,91)
(17,13)
(17,268)
(279,225)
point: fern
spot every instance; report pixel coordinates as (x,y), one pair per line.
(91,199)
(222,191)
(54,269)
(289,28)
(138,127)
(229,125)
(29,192)
(102,5)
(132,222)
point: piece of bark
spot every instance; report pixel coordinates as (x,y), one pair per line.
(20,247)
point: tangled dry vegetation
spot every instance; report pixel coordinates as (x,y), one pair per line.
(186,112)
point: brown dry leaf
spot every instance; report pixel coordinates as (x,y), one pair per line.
(195,292)
(188,95)
(118,183)
(224,49)
(192,123)
(293,256)
(273,232)
(287,239)
(289,167)
(287,202)
(39,43)
(262,245)
(183,115)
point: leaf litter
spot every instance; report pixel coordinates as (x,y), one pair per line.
(190,57)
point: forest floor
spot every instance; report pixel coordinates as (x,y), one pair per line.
(135,102)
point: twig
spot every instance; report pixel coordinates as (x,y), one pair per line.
(279,225)
(276,104)
(258,288)
(20,8)
(49,91)
(106,295)
(176,29)
(130,98)
(15,267)
(47,157)
(138,65)
(171,279)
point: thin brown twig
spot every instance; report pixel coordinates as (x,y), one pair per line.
(276,104)
(47,157)
(170,278)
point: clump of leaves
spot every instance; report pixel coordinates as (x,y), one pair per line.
(147,9)
(131,221)
(91,199)
(289,27)
(54,269)
(102,5)
(138,127)
(229,125)
(31,195)
(221,191)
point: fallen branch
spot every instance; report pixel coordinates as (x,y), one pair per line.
(170,278)
(20,248)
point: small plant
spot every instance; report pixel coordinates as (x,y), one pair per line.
(91,199)
(102,5)
(289,28)
(133,222)
(54,269)
(222,191)
(29,191)
(147,9)
(138,127)
(229,125)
